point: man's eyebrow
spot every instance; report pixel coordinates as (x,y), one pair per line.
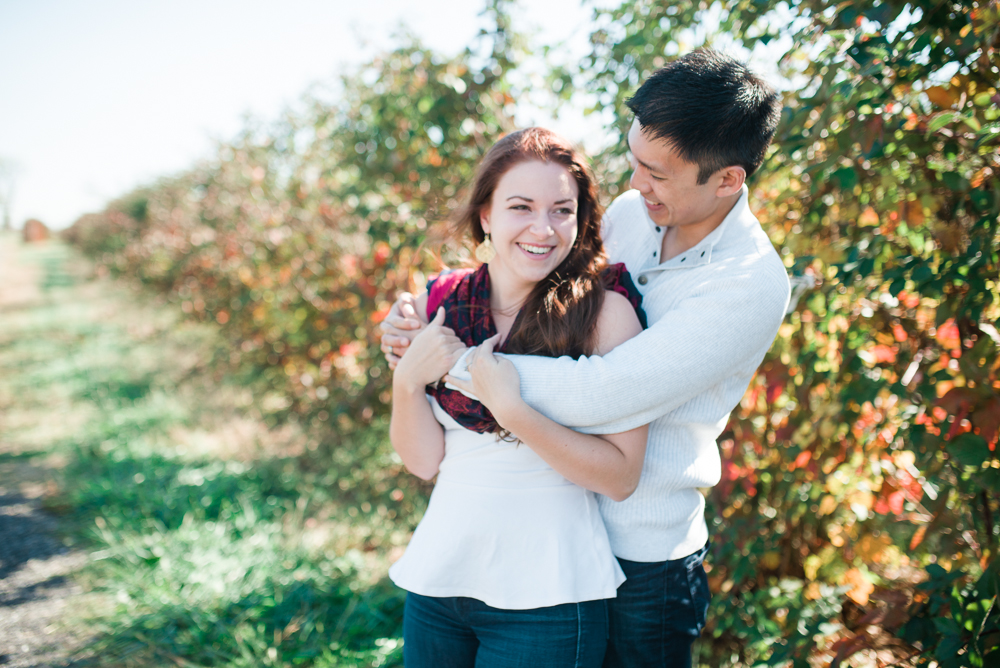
(649,167)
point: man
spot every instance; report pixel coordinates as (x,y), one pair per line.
(714,291)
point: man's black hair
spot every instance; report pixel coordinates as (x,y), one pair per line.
(712,109)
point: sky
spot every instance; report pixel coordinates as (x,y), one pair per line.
(99,97)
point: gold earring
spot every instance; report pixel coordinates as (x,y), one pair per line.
(485,251)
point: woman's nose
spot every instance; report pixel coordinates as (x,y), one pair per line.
(541,227)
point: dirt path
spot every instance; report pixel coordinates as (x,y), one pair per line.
(35,566)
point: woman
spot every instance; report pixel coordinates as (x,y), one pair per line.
(511,564)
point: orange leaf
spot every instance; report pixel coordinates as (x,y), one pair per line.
(861,587)
(941,96)
(882,354)
(918,537)
(947,335)
(868,218)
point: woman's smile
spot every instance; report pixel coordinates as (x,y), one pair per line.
(532,223)
(535,250)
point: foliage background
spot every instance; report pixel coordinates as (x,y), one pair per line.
(857,516)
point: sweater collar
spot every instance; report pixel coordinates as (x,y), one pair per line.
(739,217)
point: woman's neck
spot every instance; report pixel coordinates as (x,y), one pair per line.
(506,299)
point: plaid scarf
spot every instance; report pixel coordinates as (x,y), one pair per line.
(465,296)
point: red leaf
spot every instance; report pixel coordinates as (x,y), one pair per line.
(987,419)
(801,460)
(957,400)
(896,503)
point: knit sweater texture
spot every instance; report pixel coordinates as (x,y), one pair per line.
(713,313)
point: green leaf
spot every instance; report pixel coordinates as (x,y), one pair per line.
(954,181)
(990,479)
(947,626)
(981,199)
(942,120)
(949,646)
(922,273)
(969,449)
(936,572)
(845,177)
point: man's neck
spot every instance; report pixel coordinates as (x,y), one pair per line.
(681,238)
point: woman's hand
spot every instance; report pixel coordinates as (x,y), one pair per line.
(430,356)
(495,381)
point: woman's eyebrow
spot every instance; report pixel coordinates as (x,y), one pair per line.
(526,199)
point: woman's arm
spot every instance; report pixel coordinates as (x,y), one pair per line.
(414,432)
(607,464)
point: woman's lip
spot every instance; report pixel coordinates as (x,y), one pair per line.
(537,256)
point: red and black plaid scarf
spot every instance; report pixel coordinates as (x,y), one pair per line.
(465,296)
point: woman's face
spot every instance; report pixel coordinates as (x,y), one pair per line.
(531,221)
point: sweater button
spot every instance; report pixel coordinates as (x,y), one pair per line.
(643,280)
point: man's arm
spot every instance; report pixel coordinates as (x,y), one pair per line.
(693,347)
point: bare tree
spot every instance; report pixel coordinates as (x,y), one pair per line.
(8,179)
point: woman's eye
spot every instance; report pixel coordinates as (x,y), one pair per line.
(565,212)
(519,207)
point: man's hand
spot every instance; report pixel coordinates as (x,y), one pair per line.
(399,328)
(495,381)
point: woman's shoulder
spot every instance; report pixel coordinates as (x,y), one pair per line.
(616,323)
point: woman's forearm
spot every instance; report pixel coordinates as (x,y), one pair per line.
(609,465)
(414,433)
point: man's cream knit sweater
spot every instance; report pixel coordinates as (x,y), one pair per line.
(713,313)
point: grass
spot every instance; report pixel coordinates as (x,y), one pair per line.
(214,541)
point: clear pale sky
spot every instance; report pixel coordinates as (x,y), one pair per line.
(98,97)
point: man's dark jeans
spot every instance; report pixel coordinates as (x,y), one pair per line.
(659,612)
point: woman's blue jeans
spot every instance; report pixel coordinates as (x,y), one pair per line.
(456,632)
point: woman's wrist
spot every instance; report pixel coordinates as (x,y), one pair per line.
(403,385)
(511,413)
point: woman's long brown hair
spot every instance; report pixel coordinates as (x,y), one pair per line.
(560,315)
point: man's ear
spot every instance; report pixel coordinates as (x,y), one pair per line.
(732,179)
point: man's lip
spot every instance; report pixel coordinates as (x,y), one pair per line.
(651,205)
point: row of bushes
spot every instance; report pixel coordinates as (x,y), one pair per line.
(857,512)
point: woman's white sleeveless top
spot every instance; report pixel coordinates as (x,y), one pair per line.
(504,528)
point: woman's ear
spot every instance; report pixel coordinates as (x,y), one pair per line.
(484,222)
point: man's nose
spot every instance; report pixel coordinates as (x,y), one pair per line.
(638,181)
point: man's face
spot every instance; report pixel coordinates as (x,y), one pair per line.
(668,183)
